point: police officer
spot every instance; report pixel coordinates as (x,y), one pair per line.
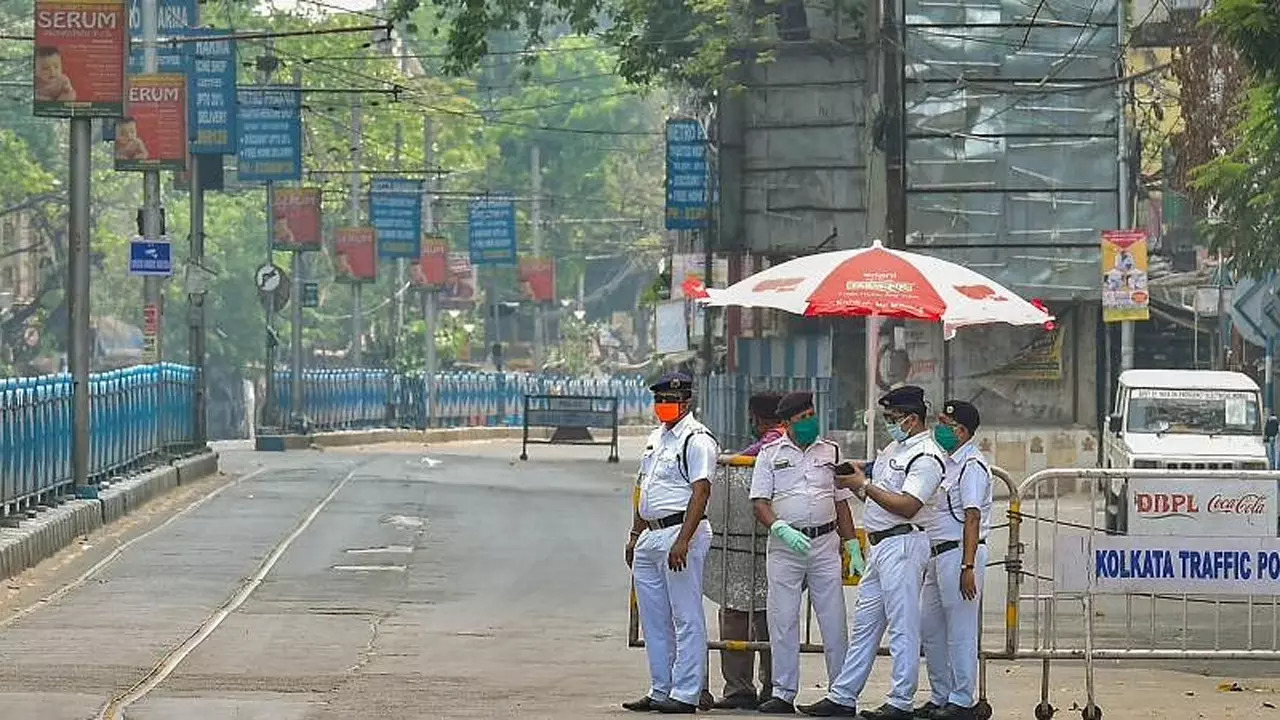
(742,594)
(949,602)
(904,478)
(796,496)
(668,546)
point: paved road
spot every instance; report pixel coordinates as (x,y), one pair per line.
(387,583)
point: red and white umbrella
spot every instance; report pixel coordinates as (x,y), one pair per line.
(877,283)
(885,283)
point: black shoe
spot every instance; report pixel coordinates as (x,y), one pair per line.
(951,711)
(644,704)
(765,695)
(888,712)
(740,701)
(777,706)
(671,706)
(706,701)
(927,711)
(826,708)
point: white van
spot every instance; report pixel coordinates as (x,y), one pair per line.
(1186,420)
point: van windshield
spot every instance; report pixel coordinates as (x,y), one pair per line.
(1193,412)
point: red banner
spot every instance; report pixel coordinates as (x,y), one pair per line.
(460,291)
(153,133)
(432,269)
(355,255)
(297,215)
(79,58)
(538,279)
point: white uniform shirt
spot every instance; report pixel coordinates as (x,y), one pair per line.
(664,489)
(800,484)
(967,484)
(890,473)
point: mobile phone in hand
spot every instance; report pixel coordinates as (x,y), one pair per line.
(846,468)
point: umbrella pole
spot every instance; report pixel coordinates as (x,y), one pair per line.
(873,340)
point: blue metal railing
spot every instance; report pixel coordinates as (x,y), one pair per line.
(338,399)
(134,414)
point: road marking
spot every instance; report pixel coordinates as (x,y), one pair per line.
(403,549)
(174,658)
(371,568)
(115,554)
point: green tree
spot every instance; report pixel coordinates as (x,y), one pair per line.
(1244,183)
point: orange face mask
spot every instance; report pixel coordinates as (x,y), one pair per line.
(667,412)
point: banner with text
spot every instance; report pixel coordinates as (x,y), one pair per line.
(355,255)
(686,174)
(1124,276)
(79,58)
(1202,508)
(538,279)
(297,213)
(1113,564)
(461,290)
(491,231)
(395,209)
(153,133)
(432,269)
(174,18)
(270,127)
(211,92)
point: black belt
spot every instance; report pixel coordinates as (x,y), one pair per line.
(947,546)
(813,533)
(881,535)
(666,522)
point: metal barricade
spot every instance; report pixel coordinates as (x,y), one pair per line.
(1137,593)
(731,580)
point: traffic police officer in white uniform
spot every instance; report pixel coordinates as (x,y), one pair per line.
(797,497)
(903,480)
(668,546)
(949,602)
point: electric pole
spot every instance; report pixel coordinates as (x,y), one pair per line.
(357,148)
(267,66)
(535,171)
(397,290)
(153,302)
(297,267)
(78,300)
(429,295)
(195,303)
(1122,140)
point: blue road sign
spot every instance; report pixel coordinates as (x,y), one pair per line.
(270,128)
(176,18)
(395,210)
(150,258)
(211,93)
(491,231)
(686,174)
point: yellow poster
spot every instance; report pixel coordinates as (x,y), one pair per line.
(1124,276)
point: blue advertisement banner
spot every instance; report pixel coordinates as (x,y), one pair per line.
(491,231)
(686,174)
(176,18)
(211,92)
(270,129)
(395,210)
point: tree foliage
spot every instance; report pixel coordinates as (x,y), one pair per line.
(1243,184)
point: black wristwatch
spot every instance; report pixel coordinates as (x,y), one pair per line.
(967,566)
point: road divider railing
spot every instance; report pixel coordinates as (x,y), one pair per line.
(136,415)
(348,399)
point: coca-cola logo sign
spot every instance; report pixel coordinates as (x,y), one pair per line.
(1246,504)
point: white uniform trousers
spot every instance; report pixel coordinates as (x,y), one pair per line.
(888,595)
(671,614)
(949,628)
(788,573)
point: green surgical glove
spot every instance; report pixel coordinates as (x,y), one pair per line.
(856,563)
(794,539)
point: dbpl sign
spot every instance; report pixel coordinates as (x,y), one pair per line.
(1202,508)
